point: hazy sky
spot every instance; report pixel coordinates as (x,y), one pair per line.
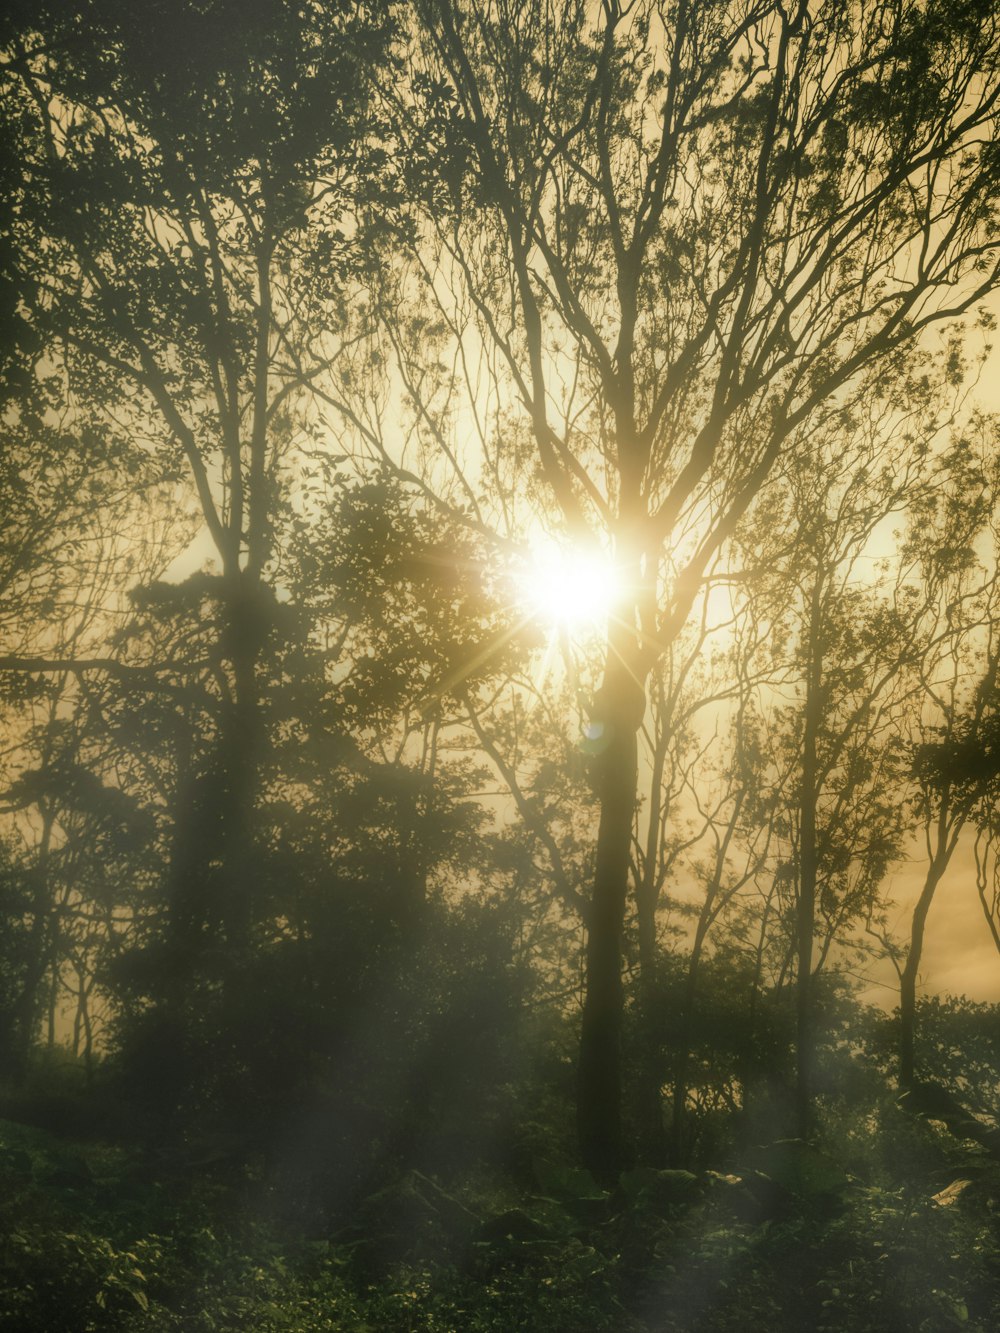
(959,956)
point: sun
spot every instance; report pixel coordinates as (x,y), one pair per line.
(571,589)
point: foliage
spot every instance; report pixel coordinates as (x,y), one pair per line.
(890,1226)
(317,318)
(959,1049)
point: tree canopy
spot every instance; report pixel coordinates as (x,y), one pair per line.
(499,569)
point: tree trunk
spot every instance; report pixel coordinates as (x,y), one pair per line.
(683,1053)
(706,917)
(53,1004)
(212,861)
(649,1074)
(29,1005)
(808,870)
(240,759)
(908,976)
(618,712)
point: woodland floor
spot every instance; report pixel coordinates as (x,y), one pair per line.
(893,1225)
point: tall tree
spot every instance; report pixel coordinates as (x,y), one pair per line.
(681,235)
(954,543)
(855,640)
(184,215)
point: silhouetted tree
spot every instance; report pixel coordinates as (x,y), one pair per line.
(954,542)
(184,221)
(680,237)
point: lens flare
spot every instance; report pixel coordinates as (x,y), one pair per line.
(571,589)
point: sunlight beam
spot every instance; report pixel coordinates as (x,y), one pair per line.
(569,589)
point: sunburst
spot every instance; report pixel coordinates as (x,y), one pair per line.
(570,590)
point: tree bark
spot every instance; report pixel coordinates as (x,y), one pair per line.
(618,713)
(241,758)
(213,868)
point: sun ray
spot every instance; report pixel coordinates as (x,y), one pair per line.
(571,590)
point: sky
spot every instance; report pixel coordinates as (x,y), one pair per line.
(959,956)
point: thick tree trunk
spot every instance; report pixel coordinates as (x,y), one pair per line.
(618,712)
(240,759)
(213,870)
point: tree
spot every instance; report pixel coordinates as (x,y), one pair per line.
(855,635)
(681,237)
(187,256)
(82,514)
(954,764)
(740,829)
(183,245)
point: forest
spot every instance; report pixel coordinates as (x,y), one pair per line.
(499,666)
